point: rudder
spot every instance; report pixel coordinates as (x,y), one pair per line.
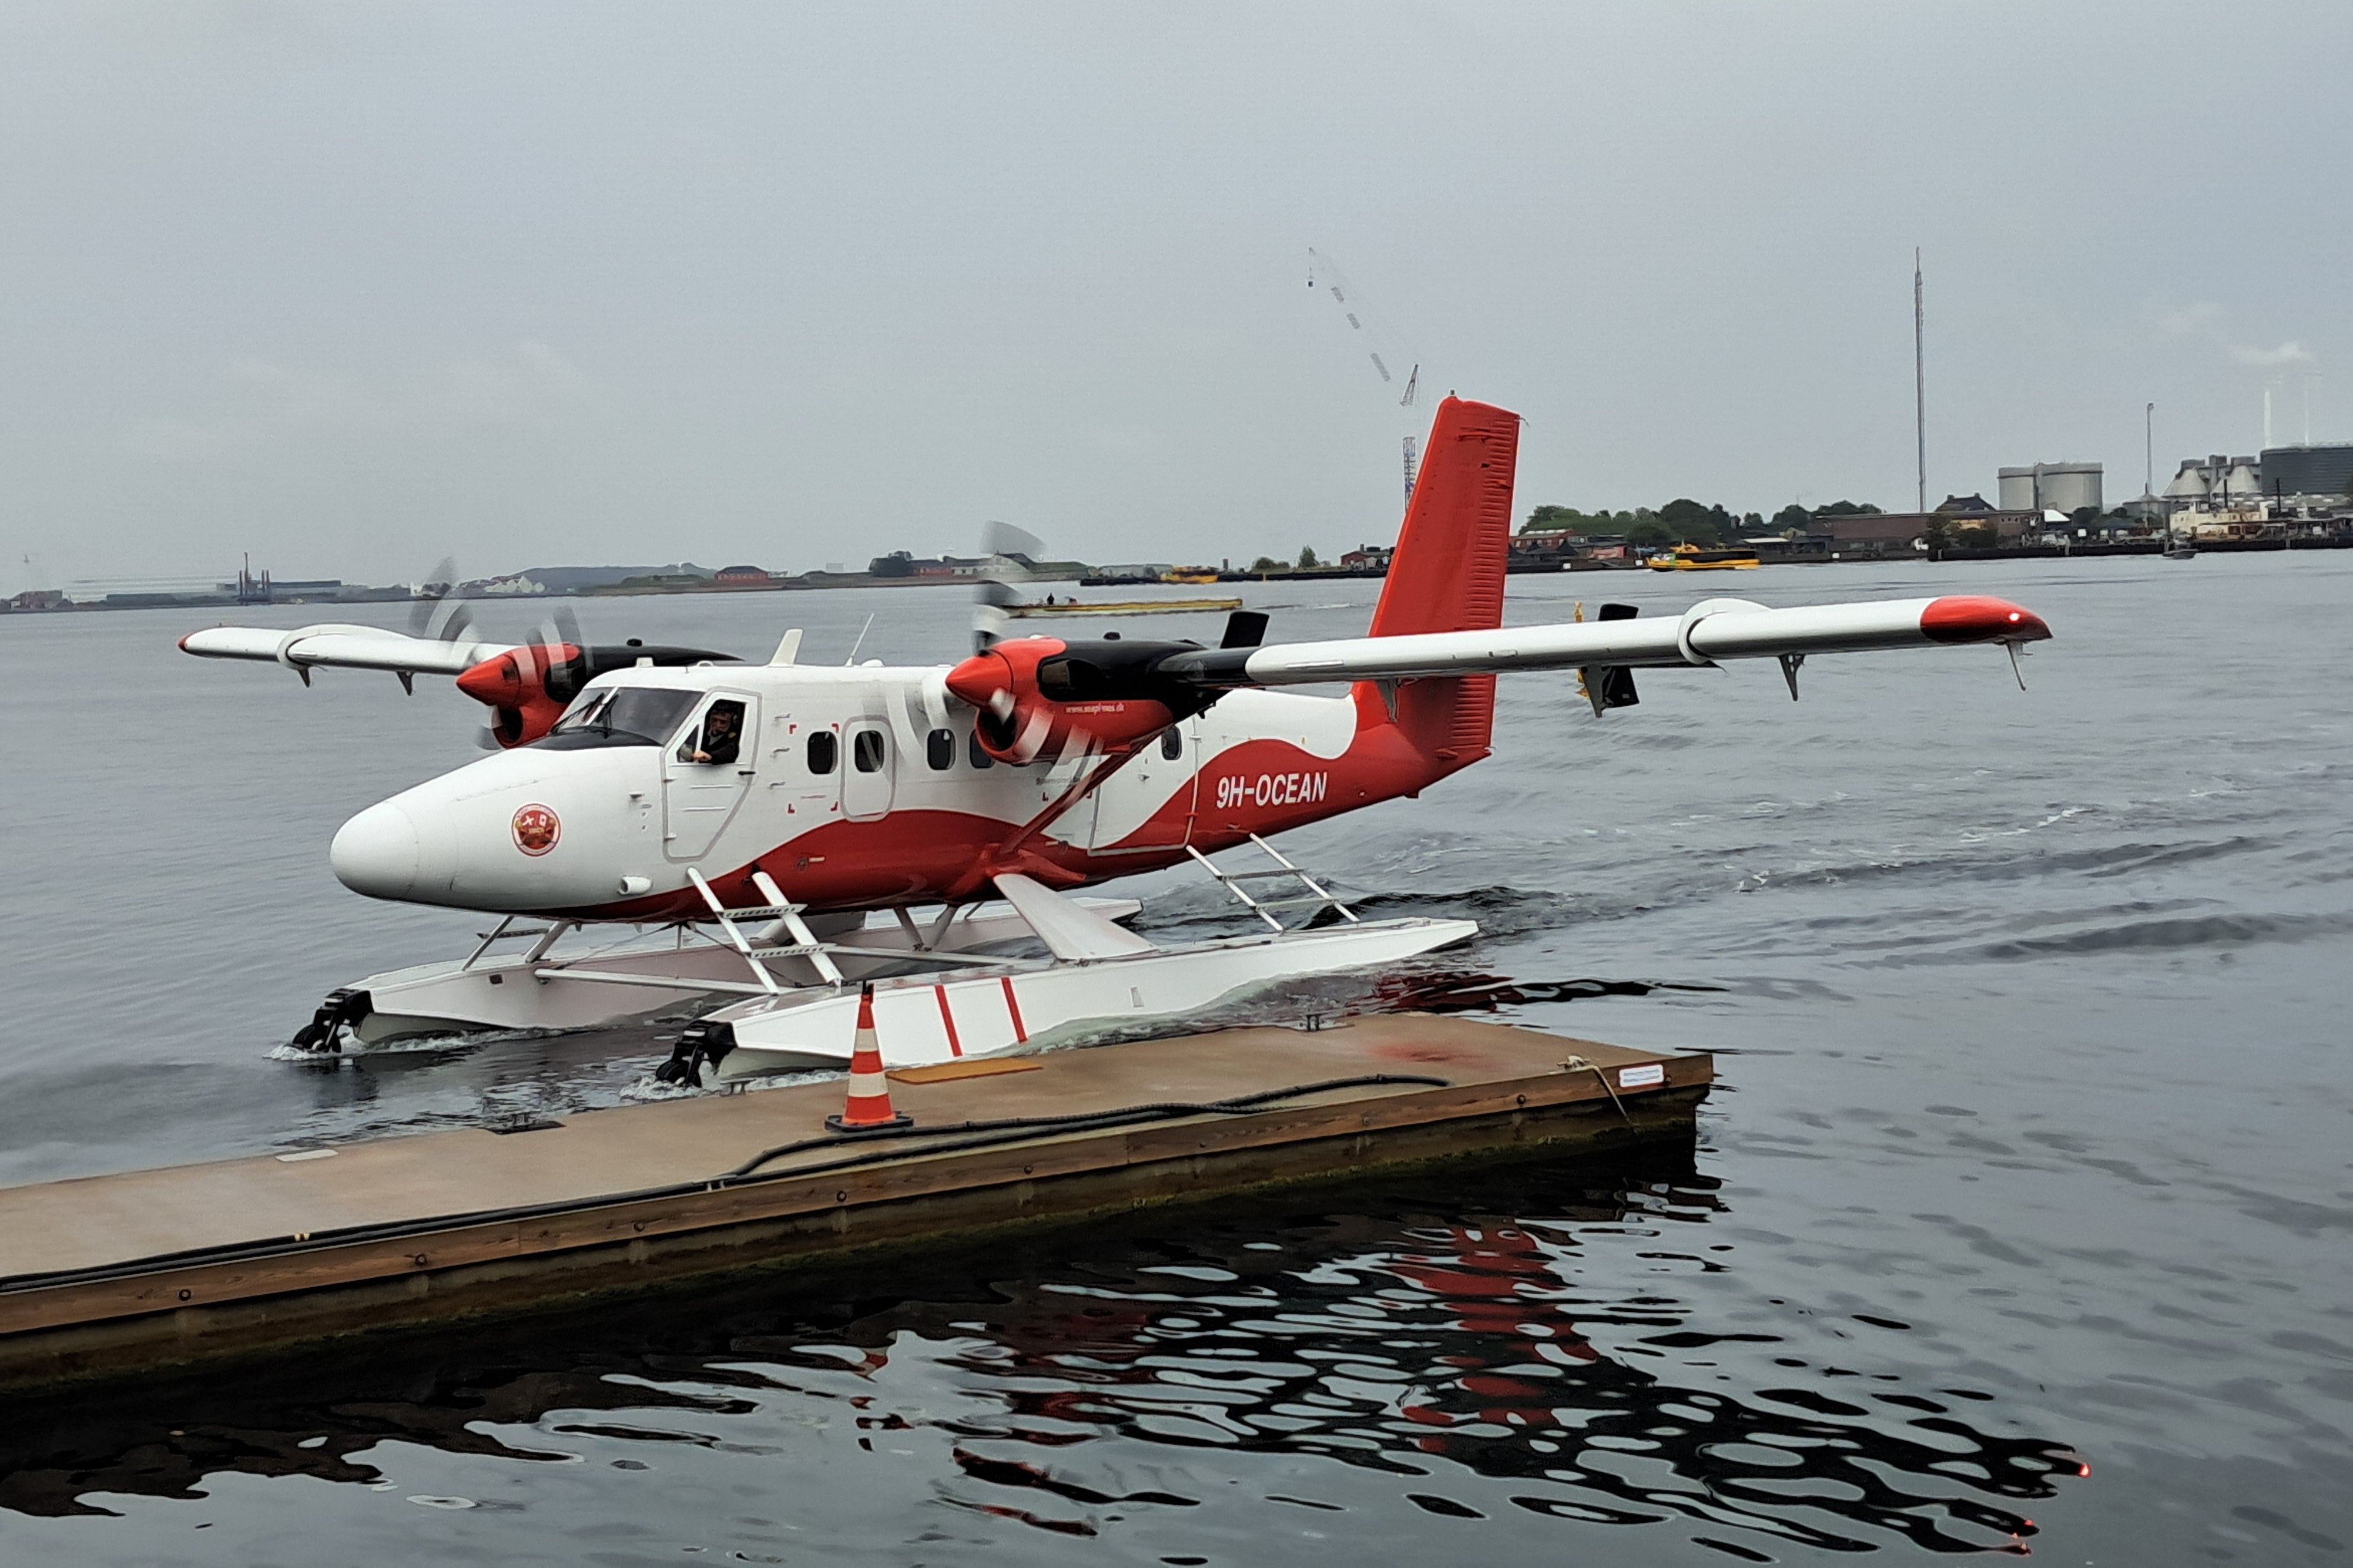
(1448,573)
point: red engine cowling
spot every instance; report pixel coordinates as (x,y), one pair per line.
(1040,699)
(527,690)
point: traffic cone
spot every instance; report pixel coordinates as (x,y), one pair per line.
(868,1109)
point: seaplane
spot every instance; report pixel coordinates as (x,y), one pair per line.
(669,832)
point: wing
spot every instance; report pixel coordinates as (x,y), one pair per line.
(1709,633)
(343,648)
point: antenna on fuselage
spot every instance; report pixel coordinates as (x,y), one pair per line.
(860,642)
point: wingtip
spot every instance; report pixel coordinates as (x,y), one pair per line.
(1981,617)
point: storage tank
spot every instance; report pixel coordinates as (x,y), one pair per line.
(2051,487)
(2324,470)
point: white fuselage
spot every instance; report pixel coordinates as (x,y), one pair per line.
(894,807)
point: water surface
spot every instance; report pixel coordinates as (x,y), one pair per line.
(2019,1222)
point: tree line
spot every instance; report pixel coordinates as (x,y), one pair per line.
(1307,562)
(1685,521)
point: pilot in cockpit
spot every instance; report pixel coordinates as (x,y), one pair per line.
(723,735)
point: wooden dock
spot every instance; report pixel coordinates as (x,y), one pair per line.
(106,1276)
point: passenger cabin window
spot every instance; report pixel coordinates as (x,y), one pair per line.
(866,750)
(1172,743)
(980,759)
(719,740)
(939,749)
(824,749)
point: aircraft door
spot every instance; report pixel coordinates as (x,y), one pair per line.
(706,772)
(869,766)
(1181,750)
(1164,784)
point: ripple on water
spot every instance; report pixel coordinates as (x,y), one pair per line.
(1572,1369)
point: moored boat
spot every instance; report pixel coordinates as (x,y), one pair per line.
(1692,558)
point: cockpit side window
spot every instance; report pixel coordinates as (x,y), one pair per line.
(623,716)
(720,738)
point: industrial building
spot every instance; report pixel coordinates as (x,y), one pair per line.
(2313,474)
(2282,490)
(2051,487)
(2215,482)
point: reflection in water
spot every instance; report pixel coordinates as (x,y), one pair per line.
(1578,1368)
(1437,989)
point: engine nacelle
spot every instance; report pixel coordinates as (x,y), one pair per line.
(526,688)
(1041,699)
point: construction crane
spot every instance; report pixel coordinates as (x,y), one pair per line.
(1382,343)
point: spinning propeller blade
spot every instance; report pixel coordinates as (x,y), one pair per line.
(1011,552)
(438,612)
(528,688)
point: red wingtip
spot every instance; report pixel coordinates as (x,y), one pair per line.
(1978,617)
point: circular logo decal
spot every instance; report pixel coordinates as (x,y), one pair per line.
(537,830)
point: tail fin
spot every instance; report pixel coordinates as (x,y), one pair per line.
(1448,573)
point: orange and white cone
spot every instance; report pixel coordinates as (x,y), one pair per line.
(869,1105)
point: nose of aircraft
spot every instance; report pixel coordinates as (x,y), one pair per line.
(376,853)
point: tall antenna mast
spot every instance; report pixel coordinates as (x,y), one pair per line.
(1382,344)
(1919,377)
(1413,382)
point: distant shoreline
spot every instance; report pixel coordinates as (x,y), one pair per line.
(2140,548)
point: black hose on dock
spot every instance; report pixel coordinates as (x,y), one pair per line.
(1075,1121)
(1009,1129)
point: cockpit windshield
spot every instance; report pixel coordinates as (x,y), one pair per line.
(623,716)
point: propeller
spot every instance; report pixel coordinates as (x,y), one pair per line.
(1047,698)
(1039,699)
(1011,552)
(439,612)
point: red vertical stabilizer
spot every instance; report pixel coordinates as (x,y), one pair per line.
(1447,573)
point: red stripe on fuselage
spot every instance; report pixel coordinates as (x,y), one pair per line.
(1257,787)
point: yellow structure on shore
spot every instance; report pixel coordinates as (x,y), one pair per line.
(1125,608)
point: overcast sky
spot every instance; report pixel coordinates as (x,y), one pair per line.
(357,286)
